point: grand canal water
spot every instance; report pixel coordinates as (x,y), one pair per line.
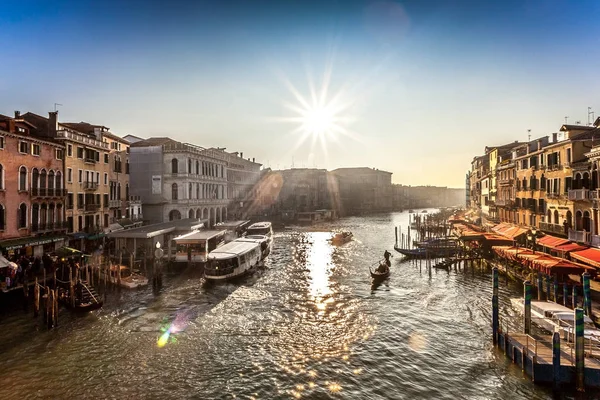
(310,325)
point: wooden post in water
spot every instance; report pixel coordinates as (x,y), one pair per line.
(50,306)
(36,299)
(55,278)
(556,358)
(527,306)
(396,232)
(579,350)
(46,303)
(540,286)
(574,297)
(55,307)
(547,288)
(44,281)
(495,305)
(587,297)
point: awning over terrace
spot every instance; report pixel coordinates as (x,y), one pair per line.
(541,261)
(551,241)
(590,256)
(508,230)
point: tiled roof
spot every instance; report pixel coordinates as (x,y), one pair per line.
(153,141)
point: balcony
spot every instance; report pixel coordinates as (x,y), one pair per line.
(506,182)
(505,202)
(90,160)
(594,194)
(580,236)
(92,207)
(46,193)
(89,185)
(115,203)
(579,194)
(552,228)
(48,227)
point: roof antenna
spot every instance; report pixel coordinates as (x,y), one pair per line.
(590,122)
(56,104)
(528,135)
(566,120)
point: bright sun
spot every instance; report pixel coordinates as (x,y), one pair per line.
(318,121)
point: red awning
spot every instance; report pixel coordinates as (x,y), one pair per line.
(551,241)
(569,247)
(590,256)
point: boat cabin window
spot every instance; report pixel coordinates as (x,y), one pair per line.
(224,264)
(259,231)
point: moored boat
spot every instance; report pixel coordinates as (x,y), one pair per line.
(342,237)
(232,260)
(380,275)
(431,252)
(262,240)
(552,316)
(261,228)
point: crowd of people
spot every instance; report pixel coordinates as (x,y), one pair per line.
(27,268)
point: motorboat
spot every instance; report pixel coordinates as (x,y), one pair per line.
(553,316)
(232,260)
(342,237)
(262,240)
(261,228)
(128,278)
(424,212)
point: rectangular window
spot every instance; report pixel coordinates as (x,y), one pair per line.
(60,154)
(70,150)
(105,200)
(568,155)
(1,142)
(70,175)
(80,200)
(79,152)
(80,176)
(24,147)
(105,158)
(70,201)
(105,178)
(97,177)
(35,149)
(127,149)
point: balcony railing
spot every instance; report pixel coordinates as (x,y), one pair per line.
(46,192)
(552,228)
(89,185)
(115,203)
(90,160)
(92,207)
(505,202)
(595,240)
(594,194)
(579,194)
(579,236)
(50,226)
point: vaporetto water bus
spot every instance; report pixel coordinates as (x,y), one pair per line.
(232,260)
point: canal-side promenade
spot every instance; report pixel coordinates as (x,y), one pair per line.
(309,325)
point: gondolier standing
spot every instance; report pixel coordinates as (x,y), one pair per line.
(386,255)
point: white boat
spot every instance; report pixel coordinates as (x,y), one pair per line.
(232,260)
(128,279)
(552,316)
(261,228)
(195,246)
(262,240)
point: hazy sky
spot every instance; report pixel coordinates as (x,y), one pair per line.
(418,87)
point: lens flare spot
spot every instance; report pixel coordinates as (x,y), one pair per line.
(164,338)
(417,342)
(334,387)
(357,371)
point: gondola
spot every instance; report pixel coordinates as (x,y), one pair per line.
(379,276)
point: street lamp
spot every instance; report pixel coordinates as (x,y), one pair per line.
(158,245)
(531,237)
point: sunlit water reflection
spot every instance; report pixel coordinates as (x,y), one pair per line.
(308,326)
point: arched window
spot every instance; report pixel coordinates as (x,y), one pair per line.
(587,222)
(43,216)
(189,166)
(197,190)
(51,180)
(23,179)
(23,213)
(58,182)
(119,191)
(2,218)
(43,178)
(51,214)
(190,190)
(197,167)
(569,219)
(174,215)
(174,191)
(191,214)
(549,216)
(35,216)
(556,216)
(127,192)
(174,166)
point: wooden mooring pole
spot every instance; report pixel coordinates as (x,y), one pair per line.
(36,299)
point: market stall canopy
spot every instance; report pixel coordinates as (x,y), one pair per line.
(590,256)
(551,241)
(509,231)
(569,247)
(198,236)
(542,261)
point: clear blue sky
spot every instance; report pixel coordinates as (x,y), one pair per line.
(423,85)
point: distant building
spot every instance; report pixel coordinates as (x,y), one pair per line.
(364,190)
(177,180)
(242,176)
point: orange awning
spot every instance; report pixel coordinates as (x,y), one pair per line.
(551,241)
(569,247)
(590,256)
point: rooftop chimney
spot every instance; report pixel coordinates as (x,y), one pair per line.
(52,123)
(242,155)
(554,136)
(17,114)
(252,159)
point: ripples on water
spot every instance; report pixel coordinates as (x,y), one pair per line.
(307,326)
